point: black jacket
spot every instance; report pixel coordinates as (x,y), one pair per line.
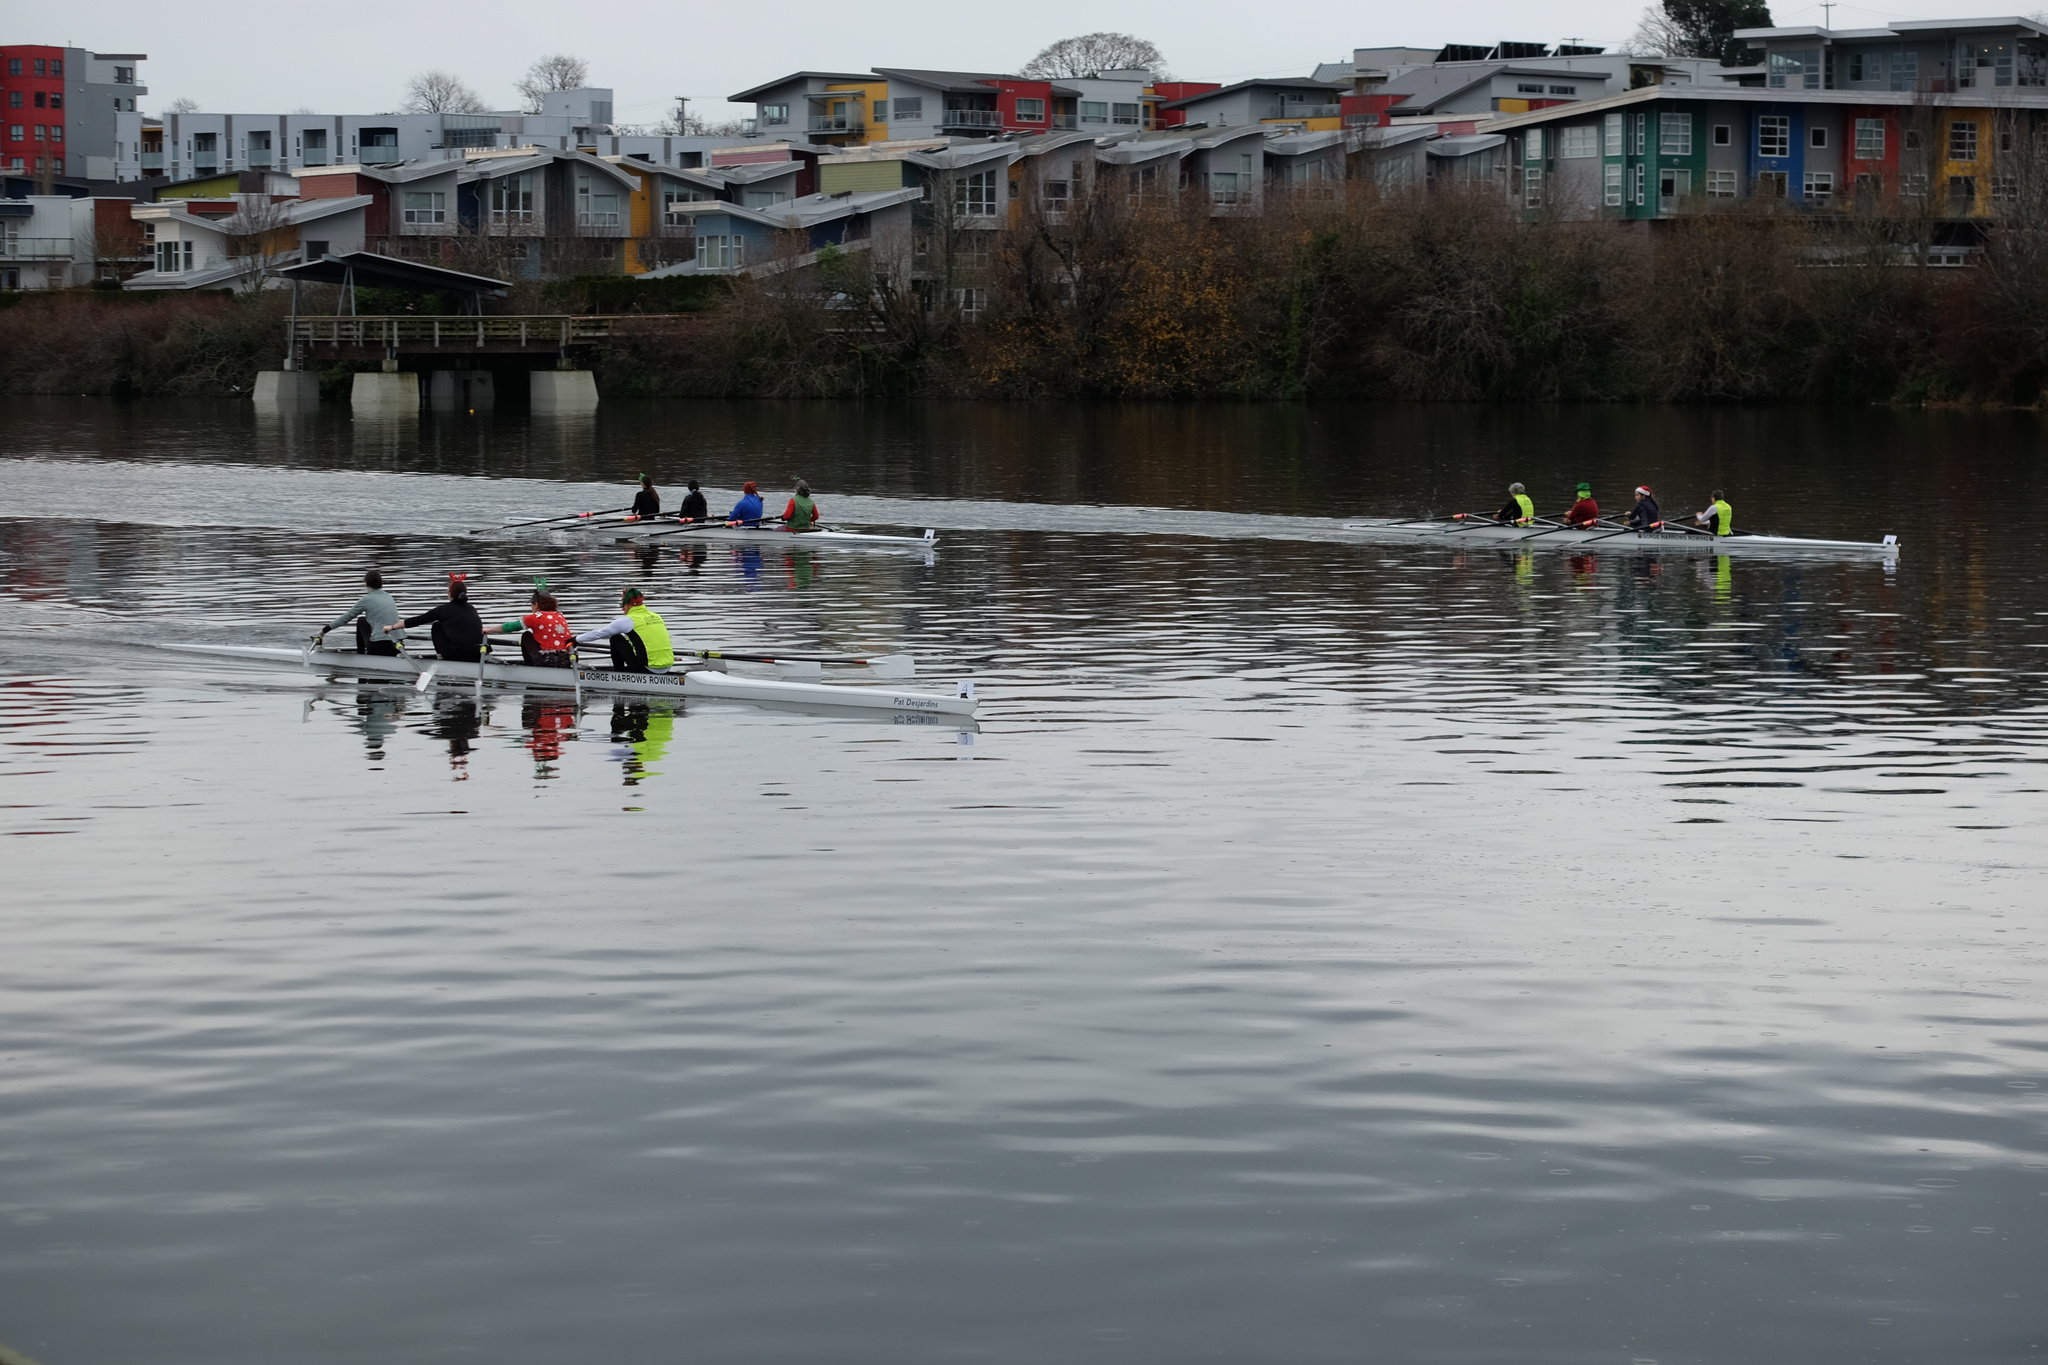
(646,503)
(458,630)
(1646,513)
(694,507)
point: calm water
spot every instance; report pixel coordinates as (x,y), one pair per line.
(1320,952)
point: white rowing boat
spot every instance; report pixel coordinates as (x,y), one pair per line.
(779,537)
(1664,540)
(696,682)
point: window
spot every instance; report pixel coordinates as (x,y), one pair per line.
(597,204)
(1856,67)
(1583,141)
(1820,185)
(1642,138)
(1564,90)
(721,252)
(1674,135)
(1870,139)
(1774,135)
(1030,111)
(42,132)
(14,99)
(315,251)
(1126,114)
(1057,193)
(1770,185)
(56,68)
(1817,137)
(14,132)
(2005,187)
(512,199)
(56,101)
(1614,135)
(910,110)
(974,196)
(1612,187)
(1794,70)
(1094,111)
(14,66)
(775,114)
(973,303)
(42,100)
(173,257)
(1223,187)
(1911,141)
(1905,70)
(1962,140)
(1962,193)
(124,75)
(766,199)
(56,132)
(1983,64)
(1532,187)
(1528,90)
(2005,140)
(1913,185)
(1723,135)
(1720,184)
(257,152)
(1532,145)
(671,216)
(39,67)
(1673,186)
(426,206)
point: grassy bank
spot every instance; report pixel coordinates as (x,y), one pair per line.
(1437,296)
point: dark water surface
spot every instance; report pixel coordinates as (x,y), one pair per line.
(1320,952)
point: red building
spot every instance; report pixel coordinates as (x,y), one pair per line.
(32,109)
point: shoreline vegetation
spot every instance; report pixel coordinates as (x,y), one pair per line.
(1445,295)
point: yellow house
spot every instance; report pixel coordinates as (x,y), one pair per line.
(659,233)
(856,111)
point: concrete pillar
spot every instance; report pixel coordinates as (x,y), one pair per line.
(287,391)
(460,390)
(387,394)
(563,391)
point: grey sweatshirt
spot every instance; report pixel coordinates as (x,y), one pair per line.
(378,608)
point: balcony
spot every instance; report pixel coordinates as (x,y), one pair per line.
(152,161)
(826,123)
(375,156)
(1065,121)
(972,118)
(597,218)
(35,248)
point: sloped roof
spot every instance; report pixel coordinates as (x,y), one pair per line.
(748,96)
(1276,83)
(963,82)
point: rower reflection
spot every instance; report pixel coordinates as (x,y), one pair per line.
(378,713)
(693,557)
(547,722)
(459,720)
(641,732)
(802,570)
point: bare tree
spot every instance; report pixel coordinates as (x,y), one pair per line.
(559,72)
(261,239)
(1655,36)
(184,104)
(1073,58)
(440,92)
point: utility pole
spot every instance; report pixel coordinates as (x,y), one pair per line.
(682,114)
(1827,9)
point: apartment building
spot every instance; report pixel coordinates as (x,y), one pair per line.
(59,242)
(903,104)
(1305,101)
(1942,119)
(61,107)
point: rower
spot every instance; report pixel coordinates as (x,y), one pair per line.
(1585,512)
(1719,514)
(1646,514)
(373,611)
(544,634)
(1517,510)
(639,638)
(801,514)
(748,508)
(694,507)
(458,631)
(647,502)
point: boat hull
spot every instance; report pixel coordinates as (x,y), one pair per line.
(1666,541)
(666,530)
(697,682)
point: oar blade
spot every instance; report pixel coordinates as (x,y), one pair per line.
(894,666)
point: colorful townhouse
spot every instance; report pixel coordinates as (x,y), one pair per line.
(60,106)
(903,104)
(1311,104)
(1934,118)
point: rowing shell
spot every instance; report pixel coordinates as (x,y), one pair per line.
(779,537)
(697,682)
(1667,540)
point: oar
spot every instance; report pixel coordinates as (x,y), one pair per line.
(710,524)
(888,665)
(1474,521)
(542,521)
